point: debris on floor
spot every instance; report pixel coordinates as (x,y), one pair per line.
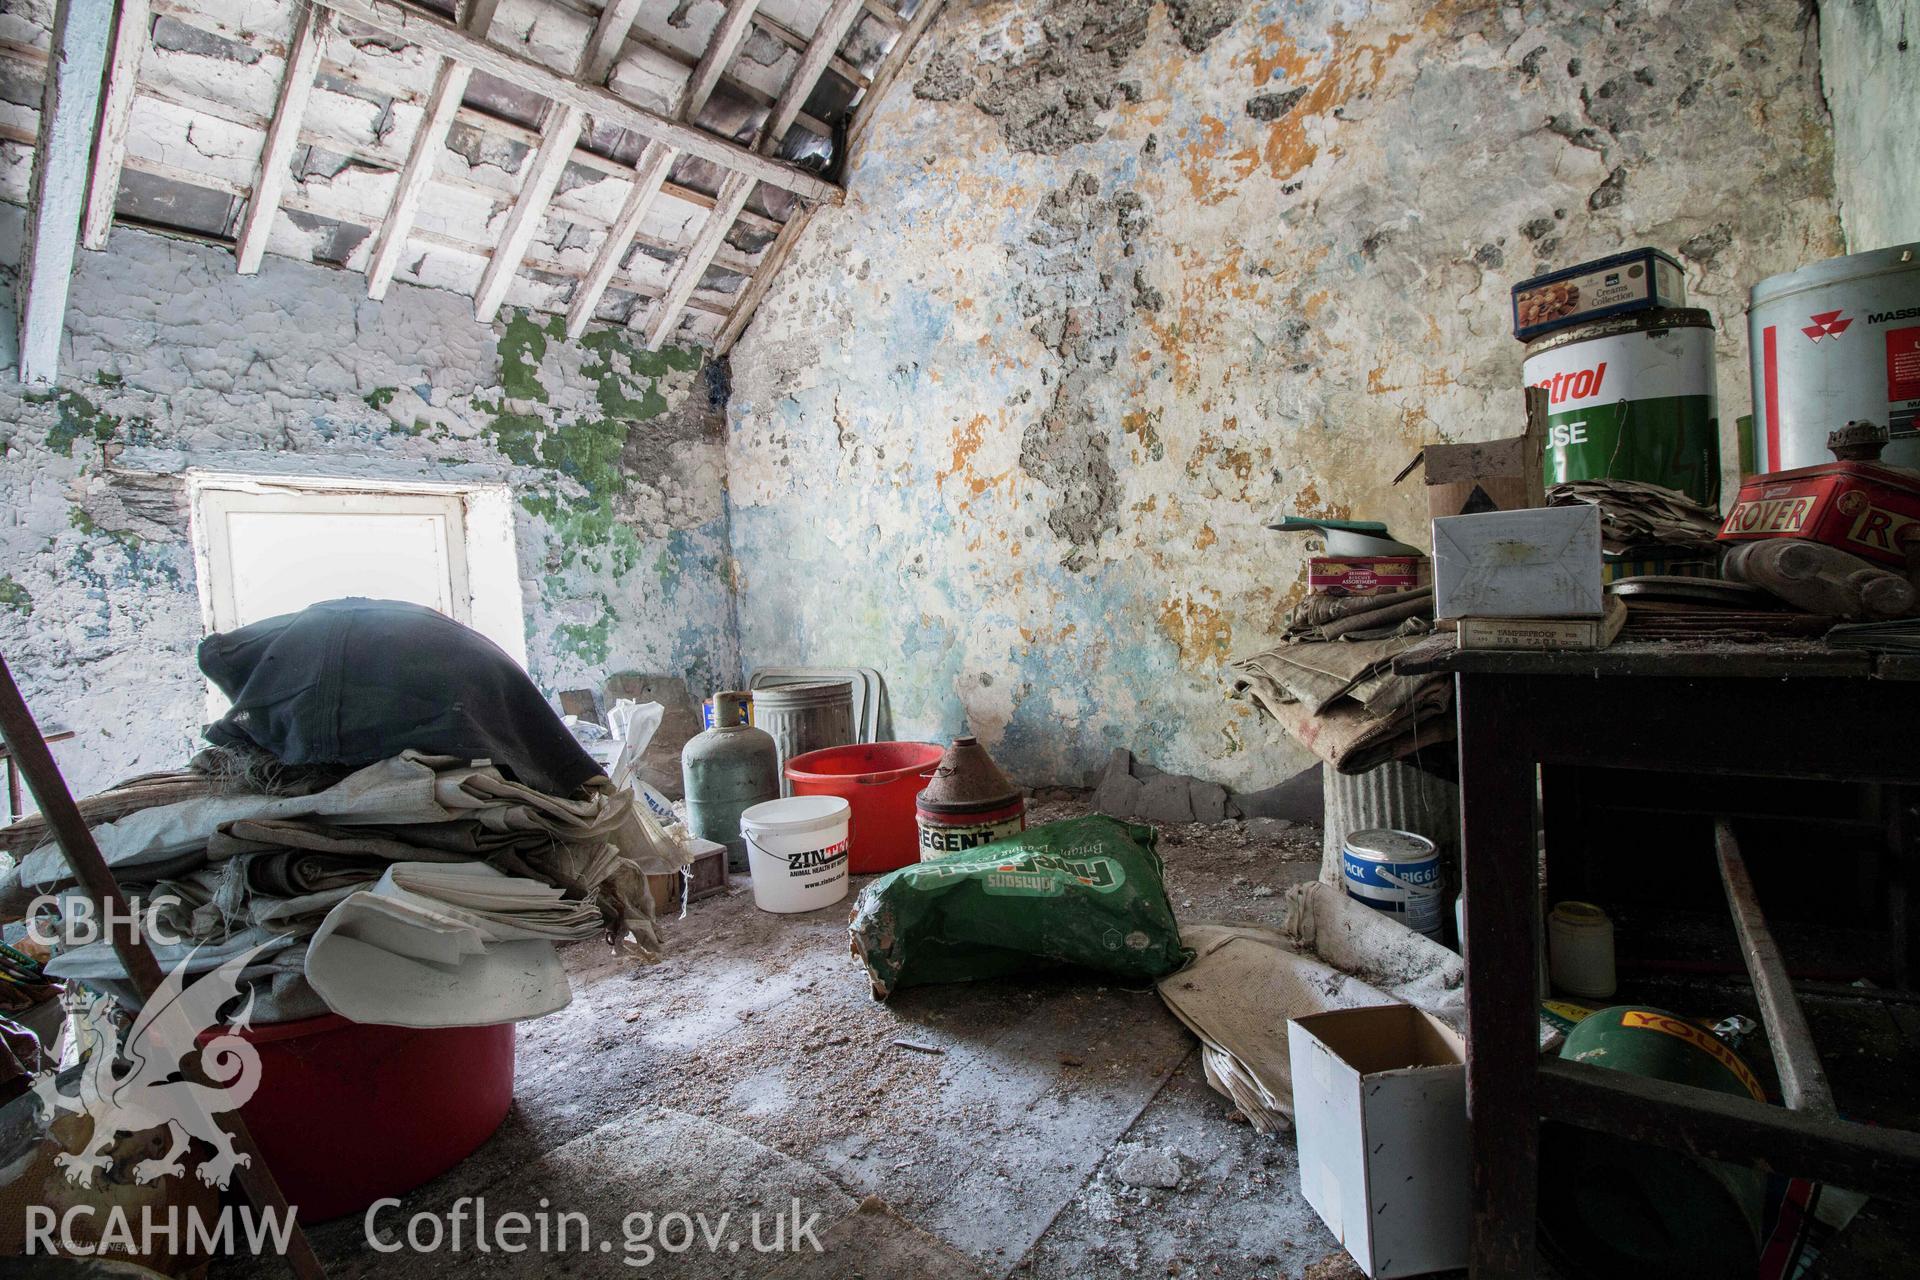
(1129,787)
(1328,952)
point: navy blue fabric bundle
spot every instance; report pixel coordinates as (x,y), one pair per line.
(349,682)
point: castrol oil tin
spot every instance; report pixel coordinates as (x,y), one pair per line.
(1832,343)
(967,803)
(1632,398)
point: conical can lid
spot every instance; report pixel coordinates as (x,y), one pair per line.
(966,780)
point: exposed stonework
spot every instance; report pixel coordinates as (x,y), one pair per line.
(961,374)
(1077,306)
(173,361)
(1049,95)
(1199,21)
(1271,106)
(948,78)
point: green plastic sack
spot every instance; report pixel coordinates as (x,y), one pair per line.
(1086,892)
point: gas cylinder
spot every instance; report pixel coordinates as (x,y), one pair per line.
(726,770)
(968,802)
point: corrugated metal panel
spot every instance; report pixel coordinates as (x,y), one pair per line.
(1398,796)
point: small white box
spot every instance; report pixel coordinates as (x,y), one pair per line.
(1380,1120)
(1543,562)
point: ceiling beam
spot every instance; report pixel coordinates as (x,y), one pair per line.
(727,34)
(655,161)
(889,71)
(794,40)
(807,72)
(734,191)
(756,289)
(647,177)
(686,278)
(57,193)
(784,244)
(303,60)
(559,130)
(110,150)
(449,87)
(437,35)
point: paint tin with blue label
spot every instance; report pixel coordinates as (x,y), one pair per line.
(1396,872)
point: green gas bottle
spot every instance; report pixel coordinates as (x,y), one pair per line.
(725,771)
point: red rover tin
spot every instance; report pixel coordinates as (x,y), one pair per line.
(1866,508)
(968,803)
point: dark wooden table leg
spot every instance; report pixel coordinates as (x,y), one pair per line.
(1498,872)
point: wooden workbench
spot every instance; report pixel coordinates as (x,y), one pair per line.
(1788,709)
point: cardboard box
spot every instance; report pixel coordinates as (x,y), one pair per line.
(1543,633)
(1380,1121)
(1543,563)
(1367,575)
(1494,475)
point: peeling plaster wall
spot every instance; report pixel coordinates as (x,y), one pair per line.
(1115,280)
(173,361)
(1870,63)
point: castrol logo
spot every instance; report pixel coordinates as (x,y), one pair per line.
(1574,384)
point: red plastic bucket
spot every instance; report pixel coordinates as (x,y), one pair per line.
(880,780)
(348,1113)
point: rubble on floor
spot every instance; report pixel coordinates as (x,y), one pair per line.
(1129,787)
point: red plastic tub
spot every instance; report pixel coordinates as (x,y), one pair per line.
(880,781)
(348,1113)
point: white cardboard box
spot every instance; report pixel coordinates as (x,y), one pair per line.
(1380,1119)
(1543,562)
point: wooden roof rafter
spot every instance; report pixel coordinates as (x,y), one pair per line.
(362,123)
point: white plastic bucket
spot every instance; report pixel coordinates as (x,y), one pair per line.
(797,852)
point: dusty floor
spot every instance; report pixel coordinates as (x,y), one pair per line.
(1024,1124)
(1052,1128)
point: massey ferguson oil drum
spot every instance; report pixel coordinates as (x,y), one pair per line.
(1632,398)
(1832,343)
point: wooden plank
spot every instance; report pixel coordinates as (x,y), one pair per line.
(734,192)
(1501,889)
(1803,1081)
(529,206)
(110,150)
(727,34)
(559,131)
(794,40)
(757,288)
(449,86)
(807,72)
(57,192)
(789,238)
(1872,1160)
(654,163)
(437,35)
(475,118)
(890,69)
(282,136)
(686,278)
(1774,660)
(28,749)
